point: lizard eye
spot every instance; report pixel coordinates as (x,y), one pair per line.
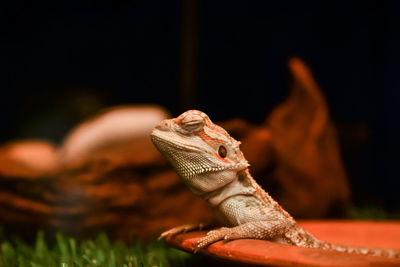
(192,122)
(222,151)
(191,127)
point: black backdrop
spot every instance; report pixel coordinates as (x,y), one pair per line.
(60,61)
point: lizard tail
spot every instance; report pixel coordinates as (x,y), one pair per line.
(298,236)
(390,253)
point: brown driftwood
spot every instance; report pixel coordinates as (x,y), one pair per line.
(108,176)
(295,154)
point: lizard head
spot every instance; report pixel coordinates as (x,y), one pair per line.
(203,154)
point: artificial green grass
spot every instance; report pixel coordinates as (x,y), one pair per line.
(66,252)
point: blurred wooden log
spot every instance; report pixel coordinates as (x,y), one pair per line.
(108,176)
(113,134)
(28,158)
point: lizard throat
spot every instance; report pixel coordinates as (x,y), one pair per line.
(238,186)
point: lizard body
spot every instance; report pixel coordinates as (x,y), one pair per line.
(210,163)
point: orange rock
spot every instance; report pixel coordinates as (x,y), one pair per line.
(261,252)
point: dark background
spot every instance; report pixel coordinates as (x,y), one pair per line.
(61,61)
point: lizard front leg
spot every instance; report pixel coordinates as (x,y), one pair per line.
(255,230)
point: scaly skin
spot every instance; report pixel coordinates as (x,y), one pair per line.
(210,163)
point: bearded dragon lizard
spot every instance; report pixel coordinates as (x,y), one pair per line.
(210,162)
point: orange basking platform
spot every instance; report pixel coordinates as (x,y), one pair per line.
(261,252)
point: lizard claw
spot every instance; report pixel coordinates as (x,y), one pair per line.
(180,229)
(212,237)
(201,225)
(165,234)
(231,236)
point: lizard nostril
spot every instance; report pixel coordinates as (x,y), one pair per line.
(164,125)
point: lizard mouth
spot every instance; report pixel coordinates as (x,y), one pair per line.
(172,145)
(159,137)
